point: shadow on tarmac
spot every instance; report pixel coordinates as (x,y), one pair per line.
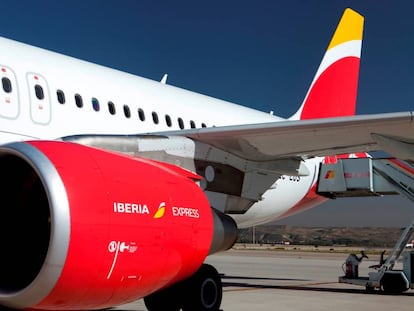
(247,283)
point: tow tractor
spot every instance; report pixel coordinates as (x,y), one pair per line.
(374,177)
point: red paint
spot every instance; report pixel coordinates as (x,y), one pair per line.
(334,93)
(403,166)
(334,159)
(310,200)
(151,253)
(348,175)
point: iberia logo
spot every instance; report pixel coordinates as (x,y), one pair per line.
(160,212)
(330,174)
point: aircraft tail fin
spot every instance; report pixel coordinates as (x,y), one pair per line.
(333,91)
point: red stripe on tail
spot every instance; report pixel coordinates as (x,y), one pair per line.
(334,93)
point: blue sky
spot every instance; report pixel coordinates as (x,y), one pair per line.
(262,54)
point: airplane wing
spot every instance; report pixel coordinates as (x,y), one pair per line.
(275,141)
(308,138)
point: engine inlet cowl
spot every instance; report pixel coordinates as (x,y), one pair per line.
(89,229)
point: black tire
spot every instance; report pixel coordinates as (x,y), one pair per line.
(393,283)
(169,299)
(390,289)
(204,290)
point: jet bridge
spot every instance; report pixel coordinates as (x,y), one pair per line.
(373,177)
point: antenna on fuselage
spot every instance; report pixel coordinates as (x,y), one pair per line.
(164,79)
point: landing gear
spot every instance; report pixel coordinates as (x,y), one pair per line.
(169,299)
(202,292)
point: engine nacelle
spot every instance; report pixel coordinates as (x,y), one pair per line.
(82,228)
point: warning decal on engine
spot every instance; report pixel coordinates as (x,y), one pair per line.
(118,247)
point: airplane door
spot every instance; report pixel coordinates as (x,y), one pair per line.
(40,108)
(9,95)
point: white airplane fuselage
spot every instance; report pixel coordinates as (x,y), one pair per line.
(45,95)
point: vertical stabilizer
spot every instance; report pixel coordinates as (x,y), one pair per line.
(333,91)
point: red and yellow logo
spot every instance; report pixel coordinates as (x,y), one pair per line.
(330,174)
(160,212)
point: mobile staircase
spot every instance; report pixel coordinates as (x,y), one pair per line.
(374,177)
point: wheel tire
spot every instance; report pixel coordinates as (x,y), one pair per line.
(390,289)
(168,299)
(204,290)
(394,282)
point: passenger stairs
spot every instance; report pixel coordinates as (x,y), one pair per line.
(366,177)
(374,177)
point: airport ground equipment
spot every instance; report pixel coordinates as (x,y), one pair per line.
(373,177)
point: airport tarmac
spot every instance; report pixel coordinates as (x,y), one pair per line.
(276,280)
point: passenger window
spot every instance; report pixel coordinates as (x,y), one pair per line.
(7,86)
(40,104)
(192,124)
(78,101)
(127,112)
(155,117)
(39,92)
(181,123)
(141,114)
(9,98)
(168,120)
(95,104)
(111,108)
(203,125)
(60,96)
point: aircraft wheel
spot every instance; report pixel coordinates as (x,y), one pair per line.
(168,299)
(204,290)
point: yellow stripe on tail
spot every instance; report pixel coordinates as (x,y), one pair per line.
(350,28)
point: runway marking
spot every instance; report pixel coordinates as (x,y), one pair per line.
(240,290)
(251,287)
(317,284)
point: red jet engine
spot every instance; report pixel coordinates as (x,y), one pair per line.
(84,228)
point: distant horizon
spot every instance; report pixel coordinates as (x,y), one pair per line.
(388,211)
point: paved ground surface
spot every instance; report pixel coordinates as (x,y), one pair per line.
(273,280)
